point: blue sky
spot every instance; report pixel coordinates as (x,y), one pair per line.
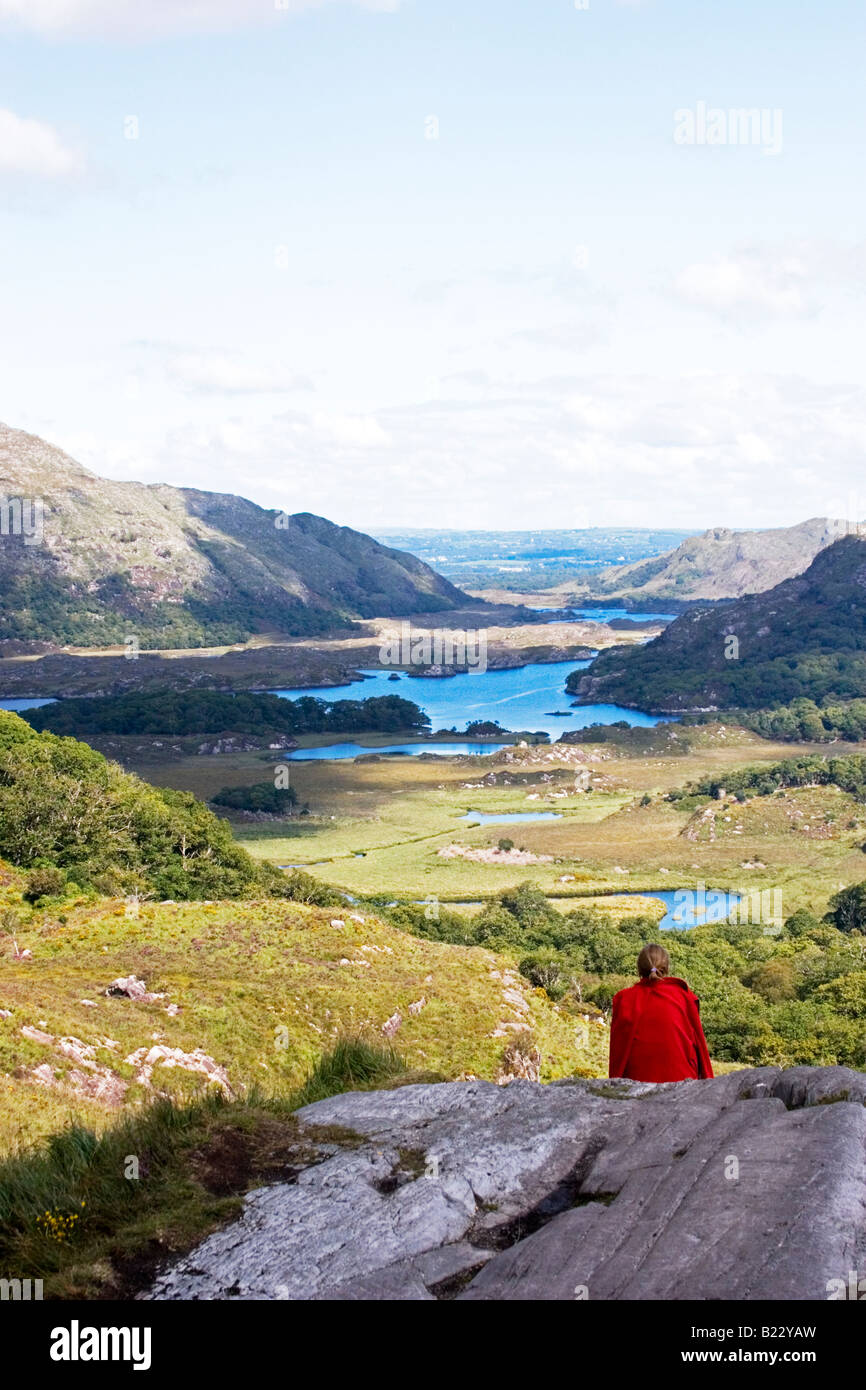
(441,264)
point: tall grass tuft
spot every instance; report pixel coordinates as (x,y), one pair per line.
(71,1214)
(351,1065)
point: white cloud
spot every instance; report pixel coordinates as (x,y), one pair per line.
(229,374)
(153,18)
(348,431)
(562,337)
(741,450)
(31,147)
(751,284)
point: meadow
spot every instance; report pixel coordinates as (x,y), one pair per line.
(376,827)
(262,988)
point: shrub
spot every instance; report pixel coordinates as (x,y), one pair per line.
(801,922)
(43,883)
(774,980)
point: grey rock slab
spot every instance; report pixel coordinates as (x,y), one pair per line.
(412,1280)
(752,1185)
(331,1226)
(789,1221)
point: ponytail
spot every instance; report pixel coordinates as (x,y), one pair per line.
(653,963)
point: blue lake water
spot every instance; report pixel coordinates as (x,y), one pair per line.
(692,909)
(16,705)
(519,699)
(518,818)
(607,615)
(354,750)
(525,698)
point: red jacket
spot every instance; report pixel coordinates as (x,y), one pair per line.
(656,1033)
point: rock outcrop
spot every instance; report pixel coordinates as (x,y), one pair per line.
(750,1186)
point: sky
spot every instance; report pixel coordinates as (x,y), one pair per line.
(443,263)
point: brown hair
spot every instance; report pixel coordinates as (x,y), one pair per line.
(653,963)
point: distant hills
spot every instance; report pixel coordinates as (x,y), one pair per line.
(178,567)
(719,564)
(528,561)
(806,637)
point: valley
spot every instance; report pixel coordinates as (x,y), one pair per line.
(239,875)
(378,825)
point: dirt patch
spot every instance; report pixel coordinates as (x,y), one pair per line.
(234,1160)
(493,855)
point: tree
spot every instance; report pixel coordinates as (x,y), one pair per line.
(775,980)
(848,909)
(801,922)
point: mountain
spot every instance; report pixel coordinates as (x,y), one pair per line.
(804,638)
(721,564)
(179,567)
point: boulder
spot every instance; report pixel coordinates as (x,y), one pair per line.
(750,1186)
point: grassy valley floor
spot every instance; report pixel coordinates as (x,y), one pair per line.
(380,827)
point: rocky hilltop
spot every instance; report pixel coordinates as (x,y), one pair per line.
(804,638)
(180,567)
(750,1186)
(719,564)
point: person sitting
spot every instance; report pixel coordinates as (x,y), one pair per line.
(655,1031)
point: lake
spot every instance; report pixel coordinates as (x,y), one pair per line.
(520,699)
(517,818)
(354,750)
(608,615)
(689,909)
(15,705)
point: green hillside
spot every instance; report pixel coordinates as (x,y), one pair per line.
(806,638)
(71,819)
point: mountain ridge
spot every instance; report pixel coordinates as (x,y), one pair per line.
(182,567)
(720,564)
(806,637)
